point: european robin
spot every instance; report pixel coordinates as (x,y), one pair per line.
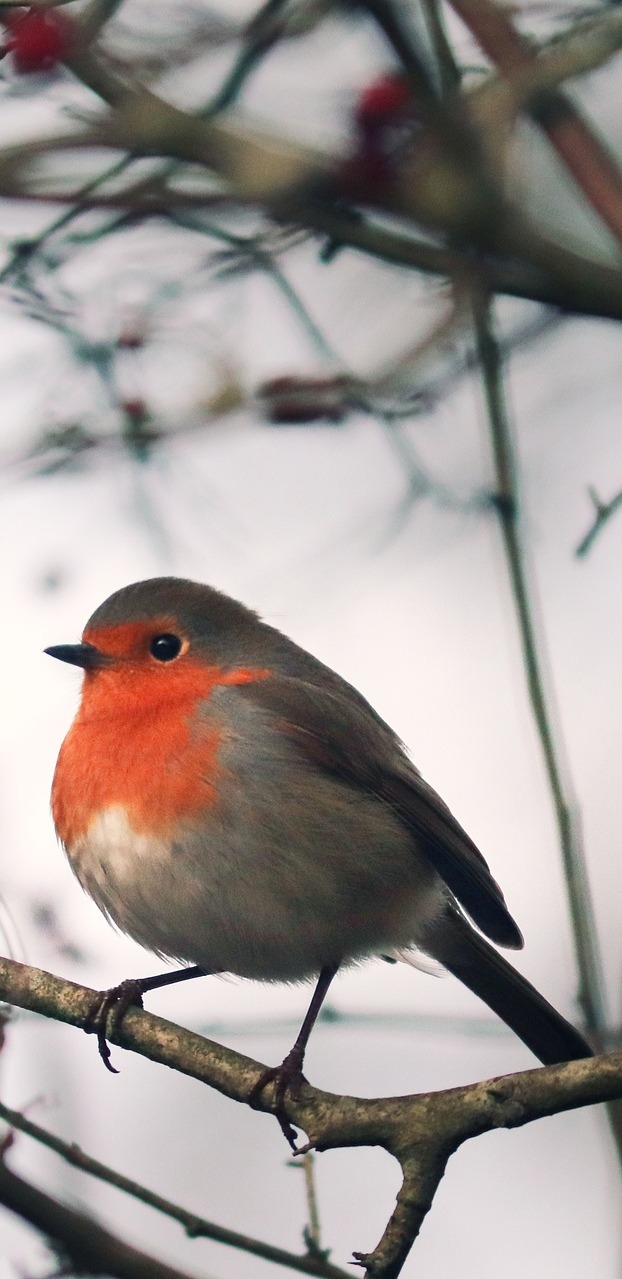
(232,803)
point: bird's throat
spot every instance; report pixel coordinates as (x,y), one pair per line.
(156,761)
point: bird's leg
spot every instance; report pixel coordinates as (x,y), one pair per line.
(289,1074)
(116,1001)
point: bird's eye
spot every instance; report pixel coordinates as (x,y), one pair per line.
(165,648)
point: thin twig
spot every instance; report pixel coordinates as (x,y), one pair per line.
(306,1165)
(86,1246)
(506,502)
(603,512)
(591,992)
(95,17)
(589,963)
(196,1227)
(262,33)
(313,1229)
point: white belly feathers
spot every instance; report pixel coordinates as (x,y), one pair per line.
(259,896)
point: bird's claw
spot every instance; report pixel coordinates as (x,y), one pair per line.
(114,1004)
(287,1077)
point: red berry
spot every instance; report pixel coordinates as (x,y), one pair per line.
(386,100)
(291,401)
(135,410)
(38,39)
(130,340)
(386,121)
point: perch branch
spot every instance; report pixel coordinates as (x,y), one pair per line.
(420,1131)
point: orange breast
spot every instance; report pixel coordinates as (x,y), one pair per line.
(136,742)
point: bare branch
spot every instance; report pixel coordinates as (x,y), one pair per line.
(299,184)
(420,1131)
(85,1244)
(582,918)
(584,155)
(314,1263)
(591,993)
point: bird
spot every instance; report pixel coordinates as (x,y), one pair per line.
(234,805)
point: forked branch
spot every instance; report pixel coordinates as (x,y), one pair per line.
(420,1131)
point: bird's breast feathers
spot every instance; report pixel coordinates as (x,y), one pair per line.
(229,853)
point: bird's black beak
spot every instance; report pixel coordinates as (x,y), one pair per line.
(87,656)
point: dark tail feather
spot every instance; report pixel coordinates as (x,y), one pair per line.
(475,963)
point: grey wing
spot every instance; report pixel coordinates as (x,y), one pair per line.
(339,735)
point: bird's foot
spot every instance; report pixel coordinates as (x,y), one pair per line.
(287,1078)
(115,1002)
(109,1011)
